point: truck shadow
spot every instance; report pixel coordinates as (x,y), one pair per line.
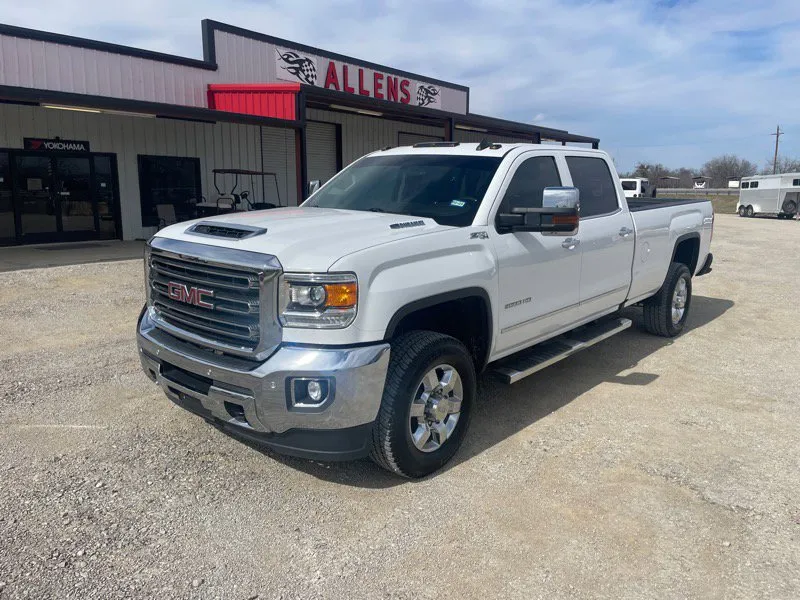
(504,410)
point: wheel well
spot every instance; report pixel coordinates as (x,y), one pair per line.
(687,251)
(468,319)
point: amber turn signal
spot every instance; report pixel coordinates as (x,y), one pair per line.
(341,295)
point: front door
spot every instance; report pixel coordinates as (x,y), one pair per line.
(539,274)
(58,198)
(72,194)
(33,183)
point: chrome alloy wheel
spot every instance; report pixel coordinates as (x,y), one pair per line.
(679,297)
(435,408)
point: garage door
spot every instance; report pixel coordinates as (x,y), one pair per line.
(278,158)
(321,150)
(409,139)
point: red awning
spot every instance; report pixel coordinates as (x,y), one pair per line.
(276,100)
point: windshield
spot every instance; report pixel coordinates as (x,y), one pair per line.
(448,189)
(628,185)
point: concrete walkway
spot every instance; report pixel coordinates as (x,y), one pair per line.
(55,255)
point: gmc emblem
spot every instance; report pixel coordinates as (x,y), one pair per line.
(189,295)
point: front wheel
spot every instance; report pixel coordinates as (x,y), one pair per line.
(427,404)
(665,313)
(742,211)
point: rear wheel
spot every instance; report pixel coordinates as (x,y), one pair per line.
(742,211)
(665,313)
(789,208)
(427,404)
(750,212)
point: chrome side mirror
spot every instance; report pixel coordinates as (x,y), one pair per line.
(561,197)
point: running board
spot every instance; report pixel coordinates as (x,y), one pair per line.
(527,362)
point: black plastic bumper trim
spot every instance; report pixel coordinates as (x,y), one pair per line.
(350,443)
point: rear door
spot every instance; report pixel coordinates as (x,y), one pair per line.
(538,273)
(606,236)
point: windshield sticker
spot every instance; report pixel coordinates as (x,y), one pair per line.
(458,203)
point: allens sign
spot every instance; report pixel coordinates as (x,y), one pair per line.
(353,79)
(55,145)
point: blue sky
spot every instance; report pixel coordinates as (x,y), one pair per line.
(671,81)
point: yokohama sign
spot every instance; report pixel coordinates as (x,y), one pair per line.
(55,145)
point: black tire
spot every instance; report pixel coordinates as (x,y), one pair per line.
(658,309)
(742,211)
(413,355)
(750,212)
(789,208)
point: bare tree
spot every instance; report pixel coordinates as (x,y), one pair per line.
(784,165)
(729,166)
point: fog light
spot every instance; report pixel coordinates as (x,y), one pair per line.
(314,390)
(309,393)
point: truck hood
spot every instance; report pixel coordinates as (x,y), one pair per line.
(306,238)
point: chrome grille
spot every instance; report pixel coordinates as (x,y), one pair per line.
(236,313)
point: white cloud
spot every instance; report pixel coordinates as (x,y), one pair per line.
(675,85)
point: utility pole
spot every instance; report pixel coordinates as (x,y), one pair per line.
(778,133)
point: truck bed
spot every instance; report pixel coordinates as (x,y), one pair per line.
(639,204)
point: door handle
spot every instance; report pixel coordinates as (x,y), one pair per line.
(625,231)
(570,243)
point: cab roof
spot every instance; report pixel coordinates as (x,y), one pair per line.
(489,148)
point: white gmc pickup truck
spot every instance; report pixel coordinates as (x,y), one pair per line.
(355,324)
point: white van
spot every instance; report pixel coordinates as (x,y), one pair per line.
(637,187)
(769,195)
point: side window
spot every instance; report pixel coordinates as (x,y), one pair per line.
(745,185)
(795,182)
(592,177)
(528,183)
(753,184)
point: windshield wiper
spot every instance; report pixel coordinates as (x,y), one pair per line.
(383,210)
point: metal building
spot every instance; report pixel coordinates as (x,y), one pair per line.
(102,141)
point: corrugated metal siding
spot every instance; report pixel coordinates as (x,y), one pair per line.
(362,135)
(243,59)
(277,100)
(461,135)
(280,157)
(409,139)
(223,145)
(321,151)
(49,66)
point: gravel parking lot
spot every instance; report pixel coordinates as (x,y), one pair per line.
(643,468)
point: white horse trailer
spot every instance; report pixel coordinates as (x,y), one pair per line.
(769,195)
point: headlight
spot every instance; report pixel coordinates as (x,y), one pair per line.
(318,300)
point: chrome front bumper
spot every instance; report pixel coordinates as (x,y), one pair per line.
(253,399)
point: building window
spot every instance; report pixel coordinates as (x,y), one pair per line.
(169,189)
(598,194)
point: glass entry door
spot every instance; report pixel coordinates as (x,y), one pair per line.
(8,226)
(34,192)
(73,194)
(59,198)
